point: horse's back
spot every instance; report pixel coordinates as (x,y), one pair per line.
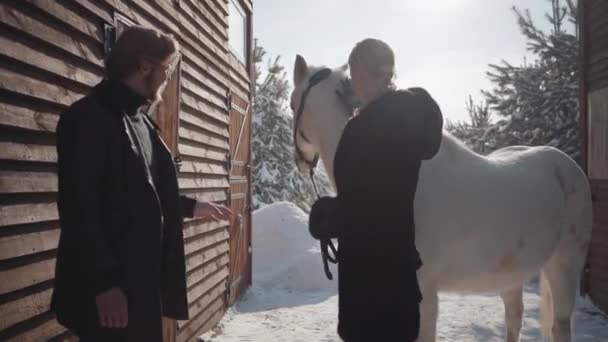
(512,200)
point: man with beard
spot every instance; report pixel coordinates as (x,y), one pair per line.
(120,261)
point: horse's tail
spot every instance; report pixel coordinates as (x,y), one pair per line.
(546,308)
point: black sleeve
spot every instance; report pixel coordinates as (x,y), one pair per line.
(82,153)
(429,132)
(187,206)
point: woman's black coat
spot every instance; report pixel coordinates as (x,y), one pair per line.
(376,172)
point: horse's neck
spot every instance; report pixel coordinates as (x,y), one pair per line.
(331,131)
(450,152)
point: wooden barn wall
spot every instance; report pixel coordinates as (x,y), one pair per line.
(52,54)
(593,32)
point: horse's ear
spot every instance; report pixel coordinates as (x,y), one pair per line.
(300,70)
(343,68)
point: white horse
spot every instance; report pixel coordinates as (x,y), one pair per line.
(483,223)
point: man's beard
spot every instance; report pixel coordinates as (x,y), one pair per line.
(155,94)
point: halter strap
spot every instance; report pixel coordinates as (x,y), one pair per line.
(326,244)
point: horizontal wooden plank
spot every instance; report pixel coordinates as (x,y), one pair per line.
(193,118)
(13,17)
(211,267)
(201,23)
(24,308)
(25,53)
(206,241)
(206,195)
(27,182)
(210,324)
(71,18)
(198,30)
(97,9)
(22,276)
(22,117)
(191,69)
(195,135)
(201,152)
(217,25)
(194,295)
(199,91)
(28,152)
(13,214)
(204,109)
(196,259)
(42,332)
(197,227)
(188,332)
(221,6)
(202,183)
(239,71)
(189,166)
(24,85)
(13,246)
(217,13)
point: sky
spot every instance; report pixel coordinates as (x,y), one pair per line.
(444,46)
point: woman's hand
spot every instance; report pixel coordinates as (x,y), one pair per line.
(211,211)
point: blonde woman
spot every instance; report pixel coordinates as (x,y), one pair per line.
(376,172)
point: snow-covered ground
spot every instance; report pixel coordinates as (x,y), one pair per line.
(291,300)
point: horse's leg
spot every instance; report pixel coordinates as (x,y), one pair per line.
(429,310)
(514,312)
(562,275)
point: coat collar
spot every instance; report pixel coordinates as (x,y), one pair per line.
(121,99)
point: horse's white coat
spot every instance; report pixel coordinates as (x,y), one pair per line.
(483,223)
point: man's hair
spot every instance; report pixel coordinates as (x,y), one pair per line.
(138,44)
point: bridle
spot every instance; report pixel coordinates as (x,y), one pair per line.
(326,244)
(314,80)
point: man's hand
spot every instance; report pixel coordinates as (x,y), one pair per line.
(112,308)
(212,211)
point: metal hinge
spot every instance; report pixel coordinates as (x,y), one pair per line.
(228,198)
(178,162)
(228,291)
(228,99)
(109,36)
(228,161)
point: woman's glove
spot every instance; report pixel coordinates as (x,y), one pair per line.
(322,222)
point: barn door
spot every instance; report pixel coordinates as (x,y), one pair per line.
(239,166)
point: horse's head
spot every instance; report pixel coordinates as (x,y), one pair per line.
(320,95)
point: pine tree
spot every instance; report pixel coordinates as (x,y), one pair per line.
(276,175)
(535,103)
(474,134)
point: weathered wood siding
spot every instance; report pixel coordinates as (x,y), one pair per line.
(593,34)
(52,54)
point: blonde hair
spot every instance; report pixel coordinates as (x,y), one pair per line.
(378,59)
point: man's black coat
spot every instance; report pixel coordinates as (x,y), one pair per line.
(118,228)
